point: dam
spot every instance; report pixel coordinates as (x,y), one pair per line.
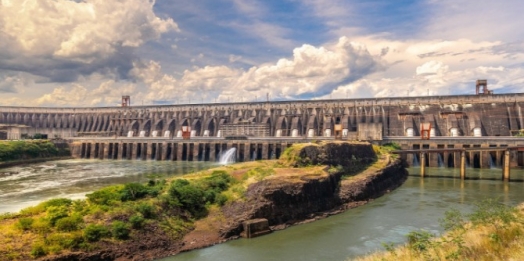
(262,130)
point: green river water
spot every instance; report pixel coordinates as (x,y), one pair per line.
(417,204)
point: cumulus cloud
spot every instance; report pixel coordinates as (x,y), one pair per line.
(62,39)
(13,83)
(311,71)
(107,93)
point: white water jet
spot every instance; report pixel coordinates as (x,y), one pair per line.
(228,157)
(440,161)
(415,161)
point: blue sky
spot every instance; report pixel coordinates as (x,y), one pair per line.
(90,52)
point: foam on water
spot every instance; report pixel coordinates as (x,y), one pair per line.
(24,186)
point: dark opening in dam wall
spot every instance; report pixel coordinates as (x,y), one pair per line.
(177,150)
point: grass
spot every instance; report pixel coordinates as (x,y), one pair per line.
(492,232)
(115,214)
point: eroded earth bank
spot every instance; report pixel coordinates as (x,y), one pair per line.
(162,218)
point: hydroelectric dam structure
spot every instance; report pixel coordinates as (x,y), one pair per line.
(437,126)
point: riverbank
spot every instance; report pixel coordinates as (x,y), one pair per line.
(14,153)
(493,231)
(143,222)
(30,161)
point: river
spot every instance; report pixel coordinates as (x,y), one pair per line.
(24,186)
(417,204)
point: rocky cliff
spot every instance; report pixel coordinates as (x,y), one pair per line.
(285,201)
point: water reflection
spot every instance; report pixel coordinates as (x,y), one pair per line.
(418,204)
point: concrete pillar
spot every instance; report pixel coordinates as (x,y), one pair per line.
(104,151)
(457,156)
(164,150)
(148,150)
(212,152)
(195,151)
(265,150)
(120,151)
(462,165)
(179,150)
(93,148)
(134,148)
(484,157)
(433,157)
(506,170)
(422,164)
(247,152)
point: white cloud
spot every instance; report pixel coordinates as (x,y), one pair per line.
(311,71)
(477,20)
(107,93)
(233,58)
(42,36)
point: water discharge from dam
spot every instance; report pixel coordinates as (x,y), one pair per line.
(417,204)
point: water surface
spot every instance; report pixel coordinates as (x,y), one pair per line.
(28,185)
(417,204)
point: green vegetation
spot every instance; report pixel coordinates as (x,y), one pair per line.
(109,214)
(493,231)
(114,214)
(20,150)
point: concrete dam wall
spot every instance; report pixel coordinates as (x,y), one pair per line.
(369,119)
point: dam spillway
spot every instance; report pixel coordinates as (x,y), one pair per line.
(262,130)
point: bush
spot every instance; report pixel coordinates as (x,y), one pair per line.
(69,223)
(147,210)
(41,226)
(37,250)
(191,198)
(60,241)
(55,213)
(24,223)
(93,233)
(120,230)
(133,191)
(106,196)
(136,221)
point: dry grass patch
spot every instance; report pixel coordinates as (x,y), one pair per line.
(492,232)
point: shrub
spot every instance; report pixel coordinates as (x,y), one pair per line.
(93,233)
(106,196)
(120,230)
(55,213)
(24,223)
(419,241)
(191,198)
(37,250)
(64,241)
(137,221)
(69,223)
(147,210)
(221,199)
(133,191)
(41,226)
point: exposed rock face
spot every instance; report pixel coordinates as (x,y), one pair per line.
(282,201)
(286,202)
(333,154)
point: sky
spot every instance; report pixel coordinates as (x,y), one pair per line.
(91,52)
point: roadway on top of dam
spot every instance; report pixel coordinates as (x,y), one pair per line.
(484,139)
(386,101)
